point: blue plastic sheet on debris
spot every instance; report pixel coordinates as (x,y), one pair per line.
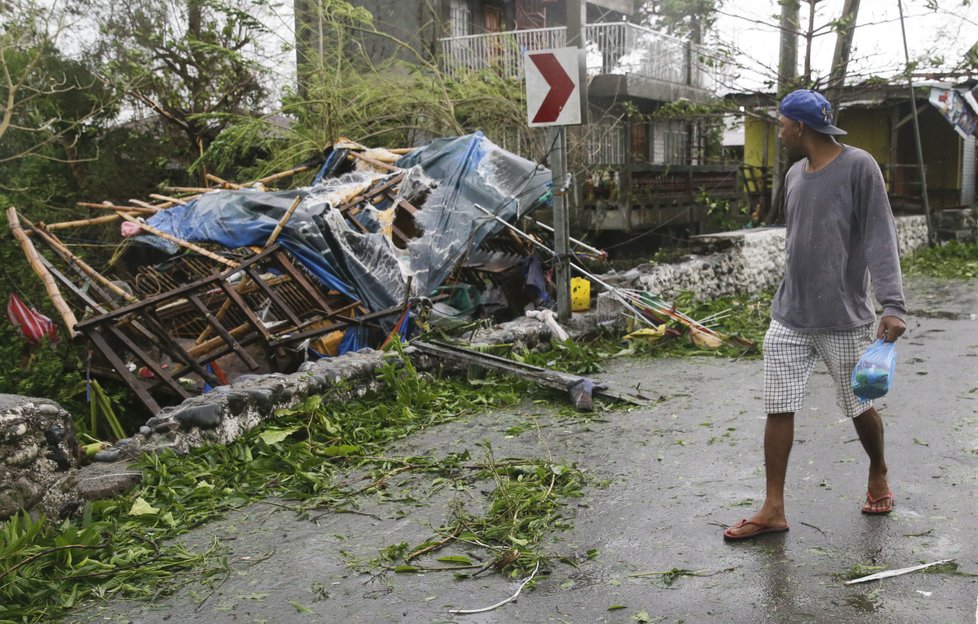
(465,172)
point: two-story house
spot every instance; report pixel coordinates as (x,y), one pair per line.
(634,171)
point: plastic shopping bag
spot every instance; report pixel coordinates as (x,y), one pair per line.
(873,375)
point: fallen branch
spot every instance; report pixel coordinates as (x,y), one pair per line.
(500,603)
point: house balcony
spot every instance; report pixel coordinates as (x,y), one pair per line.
(623,60)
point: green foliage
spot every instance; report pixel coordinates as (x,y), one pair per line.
(952,260)
(187,61)
(725,213)
(398,102)
(122,546)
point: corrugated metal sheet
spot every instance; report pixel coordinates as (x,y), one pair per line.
(968,171)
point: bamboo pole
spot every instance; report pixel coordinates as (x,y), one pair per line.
(68,256)
(64,225)
(372,161)
(115,207)
(146,205)
(188,189)
(166,199)
(244,280)
(223,182)
(180,242)
(282,174)
(34,259)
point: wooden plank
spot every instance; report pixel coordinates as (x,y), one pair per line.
(248,312)
(223,333)
(405,204)
(120,368)
(151,363)
(273,296)
(210,281)
(372,161)
(178,352)
(299,279)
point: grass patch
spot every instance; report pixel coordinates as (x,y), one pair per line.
(952,260)
(124,546)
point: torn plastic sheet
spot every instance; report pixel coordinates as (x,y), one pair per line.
(467,171)
(471,170)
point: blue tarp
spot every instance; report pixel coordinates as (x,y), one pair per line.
(464,171)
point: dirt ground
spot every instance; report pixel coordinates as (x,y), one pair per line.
(663,481)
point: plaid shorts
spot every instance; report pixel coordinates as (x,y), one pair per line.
(790,357)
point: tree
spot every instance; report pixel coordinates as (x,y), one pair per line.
(343,92)
(192,62)
(683,18)
(46,99)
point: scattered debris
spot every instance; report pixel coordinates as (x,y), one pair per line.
(899,572)
(550,378)
(211,283)
(501,602)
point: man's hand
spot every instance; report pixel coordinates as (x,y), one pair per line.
(890,328)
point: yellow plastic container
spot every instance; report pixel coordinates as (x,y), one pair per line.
(580,294)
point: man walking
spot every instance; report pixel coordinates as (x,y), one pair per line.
(840,236)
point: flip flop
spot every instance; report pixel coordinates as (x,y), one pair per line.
(870,502)
(762,529)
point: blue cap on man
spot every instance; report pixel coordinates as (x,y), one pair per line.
(810,108)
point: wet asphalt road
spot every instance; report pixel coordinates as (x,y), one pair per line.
(663,481)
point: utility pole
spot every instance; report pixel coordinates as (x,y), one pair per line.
(843,48)
(563,185)
(787,75)
(916,132)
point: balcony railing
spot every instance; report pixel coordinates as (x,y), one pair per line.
(612,48)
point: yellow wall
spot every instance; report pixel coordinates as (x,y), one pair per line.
(868,128)
(754,142)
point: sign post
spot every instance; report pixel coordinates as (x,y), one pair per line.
(554,100)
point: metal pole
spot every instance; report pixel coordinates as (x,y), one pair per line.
(558,168)
(562,180)
(916,132)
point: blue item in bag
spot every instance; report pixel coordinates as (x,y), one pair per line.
(873,374)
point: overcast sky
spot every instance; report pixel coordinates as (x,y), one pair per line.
(751,26)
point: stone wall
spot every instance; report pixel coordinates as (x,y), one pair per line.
(38,470)
(38,466)
(745,261)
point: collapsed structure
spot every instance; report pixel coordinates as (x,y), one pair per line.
(215,283)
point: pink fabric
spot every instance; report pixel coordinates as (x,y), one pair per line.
(130,229)
(32,324)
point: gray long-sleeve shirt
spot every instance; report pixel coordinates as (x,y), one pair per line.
(840,231)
